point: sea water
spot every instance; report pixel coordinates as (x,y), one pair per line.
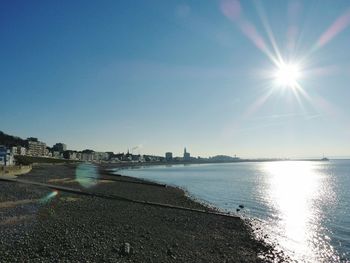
(302,206)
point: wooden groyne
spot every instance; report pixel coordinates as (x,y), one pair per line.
(111,174)
(112,197)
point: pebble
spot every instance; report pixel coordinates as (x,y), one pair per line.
(94,229)
(126,249)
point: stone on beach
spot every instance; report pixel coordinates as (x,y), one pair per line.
(96,229)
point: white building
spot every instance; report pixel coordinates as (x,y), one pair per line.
(87,157)
(57,155)
(18,150)
(36,148)
(79,156)
(100,156)
(72,155)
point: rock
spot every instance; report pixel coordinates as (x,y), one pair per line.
(237,210)
(169,252)
(126,249)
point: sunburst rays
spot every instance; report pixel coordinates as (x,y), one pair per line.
(233,10)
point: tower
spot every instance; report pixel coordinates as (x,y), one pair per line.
(187,156)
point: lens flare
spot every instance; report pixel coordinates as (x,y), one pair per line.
(285,72)
(48,197)
(86,175)
(339,25)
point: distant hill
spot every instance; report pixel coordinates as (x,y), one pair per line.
(9,140)
(223,158)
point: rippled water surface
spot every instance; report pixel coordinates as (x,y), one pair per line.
(303,206)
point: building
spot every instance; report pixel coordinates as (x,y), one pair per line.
(168,156)
(21,150)
(59,147)
(79,156)
(57,155)
(47,152)
(73,155)
(14,150)
(187,156)
(18,150)
(100,156)
(87,157)
(3,155)
(36,148)
(6,157)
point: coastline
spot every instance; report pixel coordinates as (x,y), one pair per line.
(72,227)
(127,165)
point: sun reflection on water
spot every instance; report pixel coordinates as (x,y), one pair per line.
(296,192)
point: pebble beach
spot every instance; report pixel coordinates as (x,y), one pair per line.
(38,224)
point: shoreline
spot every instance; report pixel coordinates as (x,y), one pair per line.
(62,227)
(134,165)
(255,227)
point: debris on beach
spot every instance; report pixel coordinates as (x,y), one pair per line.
(126,249)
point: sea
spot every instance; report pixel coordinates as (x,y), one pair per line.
(301,207)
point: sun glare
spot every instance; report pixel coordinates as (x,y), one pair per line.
(287,75)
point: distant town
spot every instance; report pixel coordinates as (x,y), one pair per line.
(11,146)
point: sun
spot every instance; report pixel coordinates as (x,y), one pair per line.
(287,75)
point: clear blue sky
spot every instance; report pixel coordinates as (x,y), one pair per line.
(161,75)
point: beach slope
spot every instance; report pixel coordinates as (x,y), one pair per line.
(41,225)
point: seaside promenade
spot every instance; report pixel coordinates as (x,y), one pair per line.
(39,224)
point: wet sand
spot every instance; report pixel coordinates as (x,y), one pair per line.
(39,226)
